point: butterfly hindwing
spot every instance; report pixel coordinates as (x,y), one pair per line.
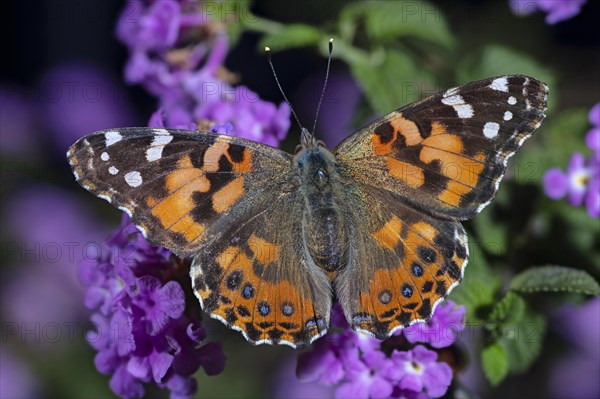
(177,185)
(257,277)
(402,263)
(446,154)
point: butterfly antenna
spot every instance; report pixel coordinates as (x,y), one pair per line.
(268,53)
(324,85)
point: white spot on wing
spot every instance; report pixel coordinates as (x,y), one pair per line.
(104,156)
(499,84)
(112,137)
(512,100)
(490,130)
(450,92)
(141,229)
(126,210)
(113,171)
(525,91)
(462,109)
(133,179)
(105,197)
(508,115)
(161,139)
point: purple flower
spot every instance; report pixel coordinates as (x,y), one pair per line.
(575,180)
(581,182)
(142,334)
(188,77)
(361,366)
(592,139)
(441,330)
(367,377)
(556,10)
(417,370)
(156,29)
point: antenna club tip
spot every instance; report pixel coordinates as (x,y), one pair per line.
(331,40)
(267,49)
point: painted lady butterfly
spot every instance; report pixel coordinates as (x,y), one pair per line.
(375,222)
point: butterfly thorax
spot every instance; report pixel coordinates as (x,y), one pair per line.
(323,223)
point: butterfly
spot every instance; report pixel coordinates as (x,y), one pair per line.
(276,236)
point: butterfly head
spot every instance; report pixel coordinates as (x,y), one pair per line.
(314,162)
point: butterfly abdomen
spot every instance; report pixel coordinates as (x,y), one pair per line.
(323,221)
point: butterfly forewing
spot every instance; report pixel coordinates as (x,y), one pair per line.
(177,185)
(446,154)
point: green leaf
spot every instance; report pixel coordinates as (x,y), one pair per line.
(555,279)
(294,35)
(490,229)
(509,310)
(386,20)
(497,60)
(390,81)
(523,341)
(495,363)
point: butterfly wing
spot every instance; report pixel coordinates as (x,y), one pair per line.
(222,199)
(402,262)
(446,154)
(178,186)
(259,278)
(411,176)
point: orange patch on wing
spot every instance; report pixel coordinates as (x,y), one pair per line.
(437,128)
(425,229)
(226,258)
(188,227)
(408,173)
(184,174)
(288,298)
(408,129)
(384,287)
(213,154)
(220,148)
(447,142)
(180,202)
(463,172)
(151,201)
(453,193)
(389,235)
(223,199)
(245,165)
(381,148)
(264,251)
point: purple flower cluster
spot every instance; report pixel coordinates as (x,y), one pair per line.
(363,367)
(142,334)
(556,10)
(177,53)
(581,182)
